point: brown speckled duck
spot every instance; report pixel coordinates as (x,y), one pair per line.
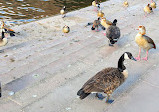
(113,33)
(144,42)
(153,4)
(66,29)
(107,80)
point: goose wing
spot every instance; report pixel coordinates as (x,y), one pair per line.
(113,32)
(149,40)
(104,80)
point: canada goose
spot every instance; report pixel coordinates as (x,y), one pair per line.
(147,9)
(100,13)
(113,33)
(104,22)
(66,29)
(62,12)
(96,24)
(144,42)
(107,80)
(153,4)
(7,29)
(3,39)
(126,4)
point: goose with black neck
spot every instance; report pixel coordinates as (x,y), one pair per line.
(107,80)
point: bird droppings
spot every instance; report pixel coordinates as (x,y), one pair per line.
(35,75)
(11,93)
(12,60)
(6,56)
(68,108)
(34,96)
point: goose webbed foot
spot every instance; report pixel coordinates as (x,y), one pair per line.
(145,58)
(109,100)
(110,44)
(138,58)
(100,96)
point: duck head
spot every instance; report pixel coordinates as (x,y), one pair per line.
(142,29)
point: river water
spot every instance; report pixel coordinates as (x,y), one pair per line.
(22,11)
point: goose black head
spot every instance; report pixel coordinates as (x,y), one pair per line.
(115,22)
(64,8)
(128,55)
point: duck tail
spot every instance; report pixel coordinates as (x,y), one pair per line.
(82,94)
(154,46)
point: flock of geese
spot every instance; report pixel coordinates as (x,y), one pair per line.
(108,79)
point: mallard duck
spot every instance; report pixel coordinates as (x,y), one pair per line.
(106,80)
(148,9)
(7,29)
(96,24)
(100,13)
(126,4)
(153,4)
(66,29)
(62,12)
(106,23)
(113,33)
(144,42)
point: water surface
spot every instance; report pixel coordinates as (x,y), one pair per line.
(21,11)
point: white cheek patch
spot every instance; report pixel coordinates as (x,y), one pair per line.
(126,56)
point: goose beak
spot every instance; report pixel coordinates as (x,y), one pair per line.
(137,29)
(133,58)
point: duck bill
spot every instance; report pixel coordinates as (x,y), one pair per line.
(132,58)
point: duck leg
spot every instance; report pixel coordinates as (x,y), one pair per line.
(146,58)
(138,58)
(100,96)
(108,100)
(104,33)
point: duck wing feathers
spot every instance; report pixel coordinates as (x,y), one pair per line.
(104,81)
(150,41)
(108,22)
(113,32)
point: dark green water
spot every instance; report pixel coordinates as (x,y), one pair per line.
(21,11)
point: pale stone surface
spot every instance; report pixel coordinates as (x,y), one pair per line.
(46,68)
